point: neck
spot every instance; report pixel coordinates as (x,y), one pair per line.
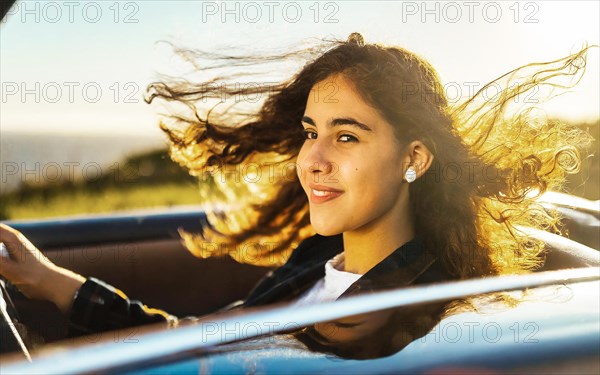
(366,247)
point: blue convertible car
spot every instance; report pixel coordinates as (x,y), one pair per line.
(555,330)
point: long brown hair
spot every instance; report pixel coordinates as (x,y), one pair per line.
(490,160)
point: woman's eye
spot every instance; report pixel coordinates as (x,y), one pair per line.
(308,133)
(344,138)
(350,138)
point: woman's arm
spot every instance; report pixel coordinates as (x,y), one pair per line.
(92,305)
(35,275)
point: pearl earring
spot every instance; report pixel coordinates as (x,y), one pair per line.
(410,175)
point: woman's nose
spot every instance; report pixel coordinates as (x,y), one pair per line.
(324,167)
(317,159)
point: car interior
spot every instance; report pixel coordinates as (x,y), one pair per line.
(144,256)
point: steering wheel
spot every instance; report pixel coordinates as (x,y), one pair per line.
(11,340)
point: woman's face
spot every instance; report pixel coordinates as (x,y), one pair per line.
(350,164)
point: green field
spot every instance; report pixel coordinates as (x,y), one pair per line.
(149,180)
(111,199)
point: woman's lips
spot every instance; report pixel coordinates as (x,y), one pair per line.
(320,196)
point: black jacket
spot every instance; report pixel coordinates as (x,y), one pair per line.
(100,307)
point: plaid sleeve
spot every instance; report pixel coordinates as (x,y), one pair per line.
(99,307)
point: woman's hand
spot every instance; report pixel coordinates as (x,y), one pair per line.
(34,274)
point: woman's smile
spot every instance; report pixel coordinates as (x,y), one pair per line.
(321,193)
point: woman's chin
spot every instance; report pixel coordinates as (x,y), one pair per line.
(325,230)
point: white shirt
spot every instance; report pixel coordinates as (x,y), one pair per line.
(330,287)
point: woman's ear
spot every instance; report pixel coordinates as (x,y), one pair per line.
(420,157)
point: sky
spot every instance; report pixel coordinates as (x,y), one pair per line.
(81,67)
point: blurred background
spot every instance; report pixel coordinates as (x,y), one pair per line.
(76,136)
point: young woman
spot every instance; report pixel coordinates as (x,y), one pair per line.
(393,186)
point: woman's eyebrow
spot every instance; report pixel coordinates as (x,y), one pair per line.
(340,121)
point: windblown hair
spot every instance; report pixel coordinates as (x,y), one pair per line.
(491,159)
